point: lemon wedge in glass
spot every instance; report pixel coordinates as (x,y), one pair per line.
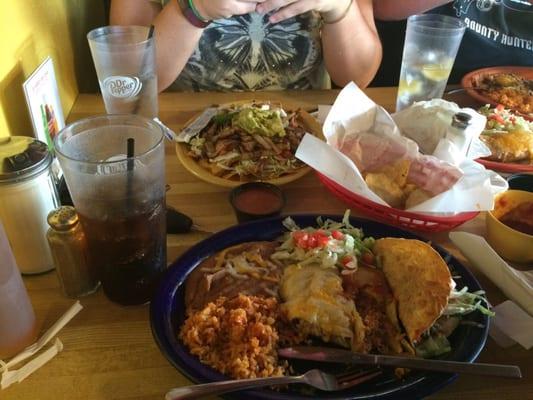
(409,87)
(437,72)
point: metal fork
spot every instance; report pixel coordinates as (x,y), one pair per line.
(315,377)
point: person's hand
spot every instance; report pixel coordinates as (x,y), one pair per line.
(218,9)
(330,9)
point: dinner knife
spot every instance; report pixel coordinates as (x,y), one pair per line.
(345,356)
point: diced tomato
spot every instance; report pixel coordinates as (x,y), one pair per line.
(322,241)
(300,239)
(500,107)
(498,118)
(368,258)
(512,119)
(312,241)
(346,259)
(299,235)
(337,235)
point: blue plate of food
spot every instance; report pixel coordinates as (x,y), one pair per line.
(226,306)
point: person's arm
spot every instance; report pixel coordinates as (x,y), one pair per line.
(351,46)
(394,10)
(176,38)
(171,29)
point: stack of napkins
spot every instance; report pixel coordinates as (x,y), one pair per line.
(9,377)
(514,319)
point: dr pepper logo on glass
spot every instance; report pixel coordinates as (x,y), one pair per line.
(122,86)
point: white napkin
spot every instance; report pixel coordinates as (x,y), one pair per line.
(9,377)
(517,285)
(513,322)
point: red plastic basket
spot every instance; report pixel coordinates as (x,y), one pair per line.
(393,216)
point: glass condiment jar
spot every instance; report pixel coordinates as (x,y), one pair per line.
(77,276)
(27,194)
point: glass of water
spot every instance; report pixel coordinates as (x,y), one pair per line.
(431,44)
(124,57)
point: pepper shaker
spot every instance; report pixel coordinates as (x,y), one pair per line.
(77,276)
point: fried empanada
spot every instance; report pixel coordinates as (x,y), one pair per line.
(509,146)
(419,279)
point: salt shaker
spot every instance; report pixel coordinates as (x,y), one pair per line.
(69,248)
(458,134)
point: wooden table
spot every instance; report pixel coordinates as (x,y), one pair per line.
(109,352)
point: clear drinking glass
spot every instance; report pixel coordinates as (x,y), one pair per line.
(124,58)
(17,319)
(431,44)
(118,191)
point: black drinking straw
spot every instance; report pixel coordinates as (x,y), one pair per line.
(129,167)
(150,34)
(130,153)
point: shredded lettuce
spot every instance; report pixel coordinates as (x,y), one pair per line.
(460,302)
(463,302)
(341,252)
(433,346)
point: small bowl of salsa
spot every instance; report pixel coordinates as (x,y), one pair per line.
(510,226)
(256,200)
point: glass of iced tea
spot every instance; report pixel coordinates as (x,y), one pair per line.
(115,171)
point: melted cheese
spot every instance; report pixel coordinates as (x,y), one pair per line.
(314,295)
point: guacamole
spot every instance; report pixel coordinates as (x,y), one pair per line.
(260,122)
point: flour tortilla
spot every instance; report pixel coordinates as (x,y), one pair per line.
(420,281)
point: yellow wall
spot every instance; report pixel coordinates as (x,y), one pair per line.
(31,30)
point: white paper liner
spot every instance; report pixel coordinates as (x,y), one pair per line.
(428,123)
(353,112)
(8,376)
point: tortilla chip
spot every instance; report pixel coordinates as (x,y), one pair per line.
(386,188)
(416,197)
(390,182)
(420,281)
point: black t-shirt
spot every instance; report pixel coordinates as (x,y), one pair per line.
(499,32)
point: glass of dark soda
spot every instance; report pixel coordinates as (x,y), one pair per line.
(114,168)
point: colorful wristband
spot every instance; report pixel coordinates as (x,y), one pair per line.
(196,12)
(191,14)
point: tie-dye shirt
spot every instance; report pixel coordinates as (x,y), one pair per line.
(247,52)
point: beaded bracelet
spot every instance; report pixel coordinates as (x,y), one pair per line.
(196,12)
(343,15)
(191,14)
